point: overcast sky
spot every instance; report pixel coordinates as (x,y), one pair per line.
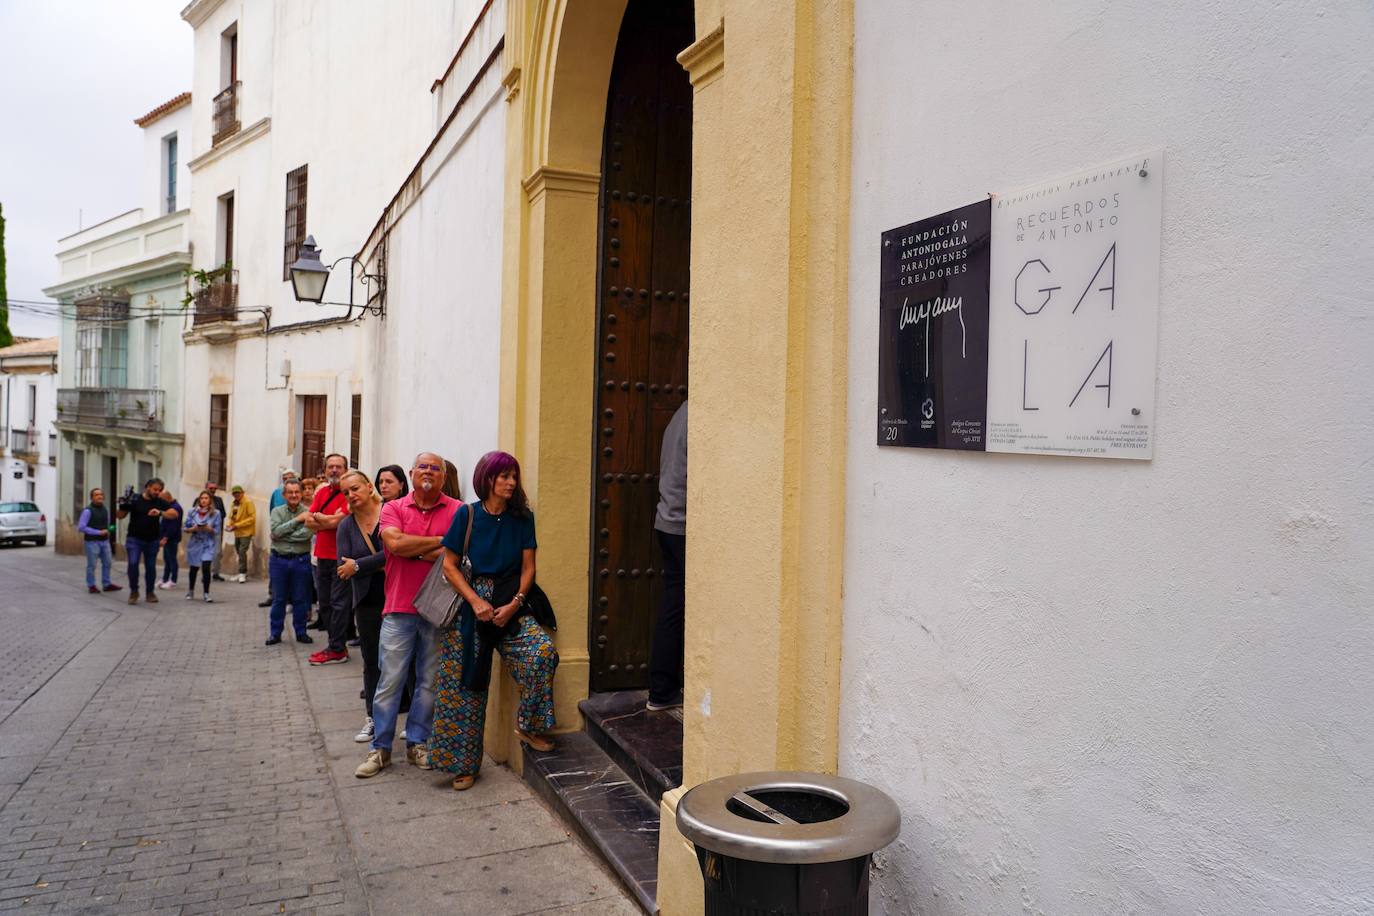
(73,76)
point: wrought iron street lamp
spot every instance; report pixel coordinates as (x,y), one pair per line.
(309,277)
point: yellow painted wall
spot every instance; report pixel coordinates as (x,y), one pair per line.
(769,253)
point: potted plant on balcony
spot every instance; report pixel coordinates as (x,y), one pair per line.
(211,292)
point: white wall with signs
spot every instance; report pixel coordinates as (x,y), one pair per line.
(1073,300)
(1107,687)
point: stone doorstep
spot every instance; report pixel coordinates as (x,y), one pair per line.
(606,807)
(646,745)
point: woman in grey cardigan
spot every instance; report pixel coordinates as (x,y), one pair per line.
(361,563)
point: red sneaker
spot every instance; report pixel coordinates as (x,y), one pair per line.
(325,657)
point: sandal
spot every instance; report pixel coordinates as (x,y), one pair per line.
(537,742)
(463,783)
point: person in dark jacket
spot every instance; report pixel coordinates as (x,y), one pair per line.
(170,542)
(218,501)
(362,560)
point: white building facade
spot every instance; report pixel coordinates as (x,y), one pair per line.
(313,114)
(122,286)
(28,417)
(1100,686)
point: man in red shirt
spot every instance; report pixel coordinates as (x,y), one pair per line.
(413,529)
(327,509)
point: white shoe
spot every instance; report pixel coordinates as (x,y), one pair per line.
(190,596)
(241,578)
(367,731)
(209,600)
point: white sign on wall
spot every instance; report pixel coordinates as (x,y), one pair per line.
(1073,306)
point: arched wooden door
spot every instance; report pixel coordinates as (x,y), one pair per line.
(642,294)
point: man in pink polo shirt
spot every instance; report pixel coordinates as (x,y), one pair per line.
(413,528)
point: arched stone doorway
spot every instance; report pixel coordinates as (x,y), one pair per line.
(559,61)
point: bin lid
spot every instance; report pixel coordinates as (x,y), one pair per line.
(788,817)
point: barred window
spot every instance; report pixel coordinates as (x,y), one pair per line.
(355,431)
(295,219)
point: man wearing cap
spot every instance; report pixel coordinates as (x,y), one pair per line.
(243,521)
(278,499)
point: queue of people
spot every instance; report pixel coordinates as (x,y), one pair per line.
(386,538)
(364,548)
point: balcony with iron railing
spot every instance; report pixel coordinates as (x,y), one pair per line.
(217,300)
(226,114)
(24,444)
(130,409)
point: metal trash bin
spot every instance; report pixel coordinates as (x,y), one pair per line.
(786,843)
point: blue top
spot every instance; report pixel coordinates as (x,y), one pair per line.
(171,528)
(497,540)
(202,546)
(276,500)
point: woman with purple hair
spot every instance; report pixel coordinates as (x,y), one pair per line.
(495,535)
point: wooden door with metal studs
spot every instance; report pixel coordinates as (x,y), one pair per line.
(642,294)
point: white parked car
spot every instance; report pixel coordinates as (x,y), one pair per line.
(22,522)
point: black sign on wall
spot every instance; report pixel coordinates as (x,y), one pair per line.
(933,331)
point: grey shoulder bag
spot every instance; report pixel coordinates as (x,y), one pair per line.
(437,601)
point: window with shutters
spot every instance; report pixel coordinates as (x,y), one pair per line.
(314,418)
(219,440)
(295,219)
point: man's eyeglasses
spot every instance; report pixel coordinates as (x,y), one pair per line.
(437,468)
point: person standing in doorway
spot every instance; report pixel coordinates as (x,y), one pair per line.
(218,501)
(327,510)
(289,566)
(362,557)
(413,528)
(243,521)
(145,512)
(670,526)
(94,525)
(170,543)
(204,524)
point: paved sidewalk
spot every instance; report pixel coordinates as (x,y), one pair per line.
(160,759)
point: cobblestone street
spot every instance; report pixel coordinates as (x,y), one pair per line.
(160,759)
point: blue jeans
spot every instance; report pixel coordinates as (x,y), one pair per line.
(290,578)
(169,561)
(139,549)
(403,637)
(100,550)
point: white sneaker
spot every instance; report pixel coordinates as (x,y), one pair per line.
(367,731)
(240,578)
(190,596)
(209,600)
